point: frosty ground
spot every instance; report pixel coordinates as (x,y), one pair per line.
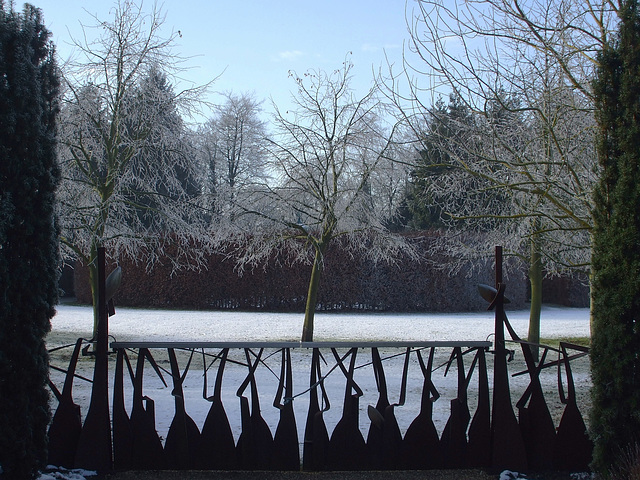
(137,324)
(72,322)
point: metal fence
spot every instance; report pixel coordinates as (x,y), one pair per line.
(335,406)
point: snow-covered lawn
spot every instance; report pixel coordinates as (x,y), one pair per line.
(72,322)
(179,325)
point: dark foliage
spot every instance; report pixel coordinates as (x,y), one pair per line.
(450,147)
(28,237)
(350,284)
(615,418)
(439,145)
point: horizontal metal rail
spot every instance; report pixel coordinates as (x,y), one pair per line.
(194,345)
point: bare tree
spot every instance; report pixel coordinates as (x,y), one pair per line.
(233,149)
(322,158)
(122,147)
(390,180)
(523,70)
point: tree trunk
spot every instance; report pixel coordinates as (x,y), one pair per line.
(312,295)
(535,280)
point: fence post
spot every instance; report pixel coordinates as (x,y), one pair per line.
(94,447)
(507,446)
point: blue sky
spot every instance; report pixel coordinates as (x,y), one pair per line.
(254,44)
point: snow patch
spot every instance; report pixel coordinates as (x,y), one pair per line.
(60,473)
(509,475)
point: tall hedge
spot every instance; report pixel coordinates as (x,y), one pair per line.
(351,283)
(615,354)
(28,237)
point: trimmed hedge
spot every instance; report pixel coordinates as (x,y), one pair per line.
(350,284)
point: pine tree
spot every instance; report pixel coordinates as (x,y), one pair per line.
(615,360)
(449,123)
(28,237)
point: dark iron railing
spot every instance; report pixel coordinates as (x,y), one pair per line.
(482,433)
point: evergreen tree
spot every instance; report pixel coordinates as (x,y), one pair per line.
(615,360)
(451,143)
(28,237)
(448,122)
(165,148)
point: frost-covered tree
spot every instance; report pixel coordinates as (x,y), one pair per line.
(390,182)
(322,156)
(126,177)
(166,150)
(29,260)
(233,149)
(523,71)
(506,180)
(450,124)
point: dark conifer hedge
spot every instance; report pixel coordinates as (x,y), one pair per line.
(615,354)
(28,237)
